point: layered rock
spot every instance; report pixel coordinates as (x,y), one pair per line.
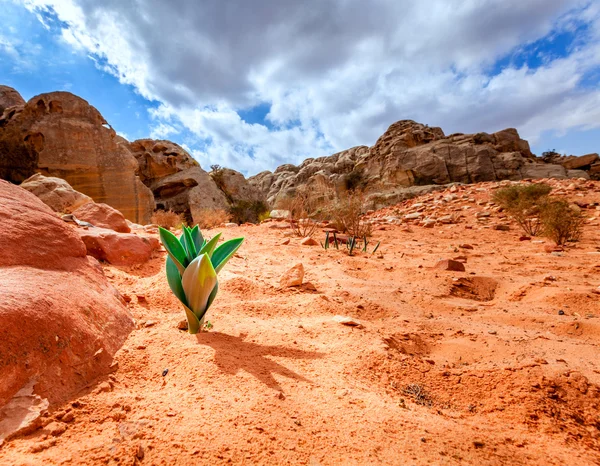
(9,97)
(59,134)
(56,193)
(61,322)
(179,183)
(412,154)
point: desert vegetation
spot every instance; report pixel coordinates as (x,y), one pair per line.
(537,213)
(192,266)
(167,219)
(211,218)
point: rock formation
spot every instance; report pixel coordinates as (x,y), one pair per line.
(9,97)
(56,193)
(412,154)
(102,216)
(61,322)
(59,134)
(181,185)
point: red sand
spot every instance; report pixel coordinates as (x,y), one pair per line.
(473,367)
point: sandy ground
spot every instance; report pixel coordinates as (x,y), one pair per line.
(474,367)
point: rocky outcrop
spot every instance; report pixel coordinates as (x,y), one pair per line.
(9,97)
(126,249)
(102,216)
(181,185)
(61,322)
(56,193)
(61,135)
(411,154)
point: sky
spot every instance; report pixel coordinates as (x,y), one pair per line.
(252,85)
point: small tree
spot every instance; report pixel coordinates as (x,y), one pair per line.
(560,222)
(522,203)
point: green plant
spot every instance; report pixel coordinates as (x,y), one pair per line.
(522,202)
(350,244)
(560,222)
(192,267)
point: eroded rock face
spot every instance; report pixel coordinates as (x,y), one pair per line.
(412,154)
(181,185)
(59,134)
(56,193)
(9,97)
(61,322)
(284,181)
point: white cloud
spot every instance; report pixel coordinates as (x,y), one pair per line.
(337,73)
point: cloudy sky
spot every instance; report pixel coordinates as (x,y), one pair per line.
(252,84)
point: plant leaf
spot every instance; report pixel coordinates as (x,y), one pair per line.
(209,247)
(174,248)
(198,282)
(197,237)
(224,252)
(188,242)
(211,298)
(174,280)
(193,321)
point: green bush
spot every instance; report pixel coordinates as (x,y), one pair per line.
(522,202)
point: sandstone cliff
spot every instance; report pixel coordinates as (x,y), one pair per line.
(412,154)
(9,97)
(59,134)
(179,183)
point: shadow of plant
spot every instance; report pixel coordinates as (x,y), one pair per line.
(233,354)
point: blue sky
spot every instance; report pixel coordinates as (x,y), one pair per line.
(290,80)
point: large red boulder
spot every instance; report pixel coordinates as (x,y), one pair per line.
(61,322)
(125,249)
(102,215)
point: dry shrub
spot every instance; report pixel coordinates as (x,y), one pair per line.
(561,222)
(347,214)
(167,219)
(523,203)
(211,218)
(313,204)
(305,209)
(245,211)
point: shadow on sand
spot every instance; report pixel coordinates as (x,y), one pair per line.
(233,353)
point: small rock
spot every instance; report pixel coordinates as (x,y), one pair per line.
(293,277)
(56,429)
(182,325)
(68,417)
(104,387)
(149,323)
(347,321)
(501,227)
(141,298)
(450,265)
(308,241)
(165,372)
(492,332)
(561,313)
(139,454)
(465,246)
(285,242)
(231,225)
(525,238)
